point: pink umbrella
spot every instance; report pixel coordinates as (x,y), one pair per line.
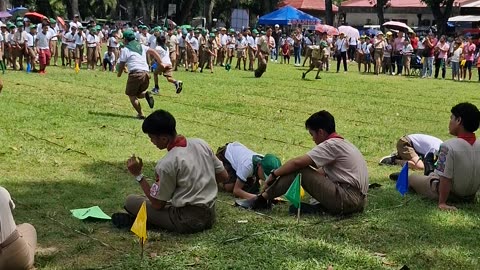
(324,28)
(400,26)
(349,31)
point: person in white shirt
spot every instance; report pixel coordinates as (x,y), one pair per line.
(367,54)
(341,47)
(455,60)
(407,55)
(54,32)
(92,44)
(134,55)
(31,53)
(71,47)
(241,45)
(113,45)
(108,60)
(231,41)
(412,149)
(359,53)
(42,44)
(165,68)
(79,46)
(223,46)
(252,48)
(75,22)
(192,50)
(64,46)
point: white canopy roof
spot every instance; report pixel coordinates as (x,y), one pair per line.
(465,18)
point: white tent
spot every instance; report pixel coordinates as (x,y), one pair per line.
(465,18)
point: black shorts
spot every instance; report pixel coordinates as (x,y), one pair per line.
(468,65)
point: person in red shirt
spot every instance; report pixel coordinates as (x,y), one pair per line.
(413,41)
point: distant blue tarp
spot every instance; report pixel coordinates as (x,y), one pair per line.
(288,15)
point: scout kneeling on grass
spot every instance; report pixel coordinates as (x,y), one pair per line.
(317,57)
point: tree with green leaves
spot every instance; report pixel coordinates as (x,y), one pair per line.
(442,10)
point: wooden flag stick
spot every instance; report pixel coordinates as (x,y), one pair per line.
(141,244)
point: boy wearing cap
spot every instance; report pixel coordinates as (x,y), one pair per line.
(252,48)
(54,32)
(192,50)
(79,46)
(134,55)
(71,47)
(245,169)
(241,45)
(31,51)
(379,45)
(42,44)
(334,172)
(182,198)
(456,177)
(75,22)
(64,46)
(113,44)
(20,39)
(92,44)
(173,47)
(231,42)
(211,51)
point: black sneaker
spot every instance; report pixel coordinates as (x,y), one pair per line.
(387,160)
(256,203)
(303,75)
(179,86)
(149,98)
(317,78)
(122,220)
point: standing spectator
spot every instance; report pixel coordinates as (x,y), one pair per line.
(42,44)
(407,56)
(455,60)
(379,45)
(429,55)
(341,47)
(173,47)
(276,34)
(469,53)
(54,32)
(441,60)
(92,43)
(413,41)
(397,56)
(79,46)
(352,48)
(31,55)
(297,47)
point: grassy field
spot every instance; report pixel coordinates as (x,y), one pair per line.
(65,138)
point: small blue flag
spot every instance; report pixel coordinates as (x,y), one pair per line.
(29,68)
(402,181)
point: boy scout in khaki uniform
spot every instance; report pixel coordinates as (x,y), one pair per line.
(317,55)
(173,47)
(20,47)
(265,45)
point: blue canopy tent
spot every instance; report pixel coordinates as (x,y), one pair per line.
(288,15)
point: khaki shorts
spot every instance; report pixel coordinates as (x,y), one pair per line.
(53,47)
(165,71)
(405,149)
(241,54)
(230,52)
(91,53)
(137,83)
(173,57)
(316,63)
(378,55)
(406,61)
(79,52)
(192,56)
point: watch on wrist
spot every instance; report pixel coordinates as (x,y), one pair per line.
(139,177)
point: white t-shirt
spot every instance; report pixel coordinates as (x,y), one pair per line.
(53,32)
(251,42)
(164,55)
(231,42)
(79,38)
(70,38)
(242,43)
(341,45)
(460,161)
(109,56)
(43,40)
(194,42)
(91,41)
(240,157)
(352,41)
(7,224)
(223,39)
(135,61)
(424,144)
(456,55)
(112,42)
(152,42)
(408,50)
(77,24)
(30,40)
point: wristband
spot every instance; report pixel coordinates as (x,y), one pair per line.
(139,177)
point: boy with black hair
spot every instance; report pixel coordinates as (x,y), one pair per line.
(245,169)
(182,199)
(339,181)
(456,177)
(165,67)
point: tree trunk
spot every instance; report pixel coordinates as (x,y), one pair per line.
(74,8)
(209,17)
(441,18)
(381,13)
(185,11)
(328,12)
(3,5)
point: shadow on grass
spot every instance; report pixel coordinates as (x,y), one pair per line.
(107,114)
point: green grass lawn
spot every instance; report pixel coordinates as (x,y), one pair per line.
(65,138)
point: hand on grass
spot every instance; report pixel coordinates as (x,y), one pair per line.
(445,207)
(135,165)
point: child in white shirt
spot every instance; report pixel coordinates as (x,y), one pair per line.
(407,55)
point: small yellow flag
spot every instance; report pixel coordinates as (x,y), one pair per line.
(77,69)
(139,227)
(302,192)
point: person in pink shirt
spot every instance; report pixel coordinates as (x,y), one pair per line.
(442,48)
(397,56)
(469,53)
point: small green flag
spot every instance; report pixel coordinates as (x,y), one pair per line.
(293,192)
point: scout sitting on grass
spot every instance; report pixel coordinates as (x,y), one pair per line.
(245,169)
(182,198)
(316,62)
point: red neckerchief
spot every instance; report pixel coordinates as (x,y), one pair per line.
(179,141)
(469,137)
(334,135)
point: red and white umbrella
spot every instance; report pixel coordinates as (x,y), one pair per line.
(325,28)
(349,31)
